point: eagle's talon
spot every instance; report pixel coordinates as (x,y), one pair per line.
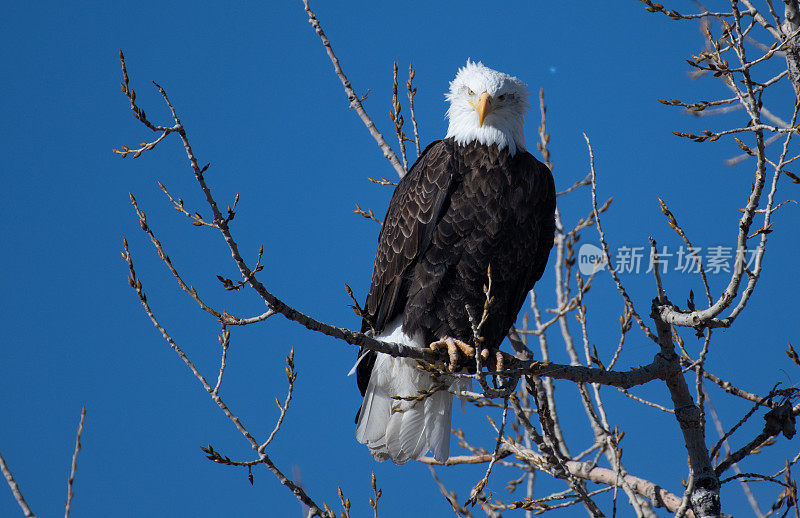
(453,347)
(499,361)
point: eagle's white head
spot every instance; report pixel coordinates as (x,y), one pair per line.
(487,106)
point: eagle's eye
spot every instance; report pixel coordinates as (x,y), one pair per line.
(501,97)
(470,92)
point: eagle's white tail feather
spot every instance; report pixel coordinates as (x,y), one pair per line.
(397,429)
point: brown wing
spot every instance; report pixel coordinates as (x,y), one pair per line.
(415,208)
(542,200)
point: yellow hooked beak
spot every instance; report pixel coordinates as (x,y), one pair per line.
(484,107)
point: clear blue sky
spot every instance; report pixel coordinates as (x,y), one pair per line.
(258,97)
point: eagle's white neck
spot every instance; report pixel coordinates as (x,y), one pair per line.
(503,129)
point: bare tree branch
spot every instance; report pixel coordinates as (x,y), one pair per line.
(71,479)
(355,101)
(263,457)
(412,92)
(15,490)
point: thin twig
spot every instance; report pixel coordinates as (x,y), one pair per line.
(264,458)
(74,466)
(606,250)
(397,119)
(15,490)
(412,92)
(751,499)
(291,377)
(355,101)
(225,341)
(478,488)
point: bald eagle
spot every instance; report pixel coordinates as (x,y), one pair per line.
(473,200)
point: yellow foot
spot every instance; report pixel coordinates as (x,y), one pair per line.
(499,361)
(454,347)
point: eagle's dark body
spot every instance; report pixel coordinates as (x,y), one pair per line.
(459,210)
